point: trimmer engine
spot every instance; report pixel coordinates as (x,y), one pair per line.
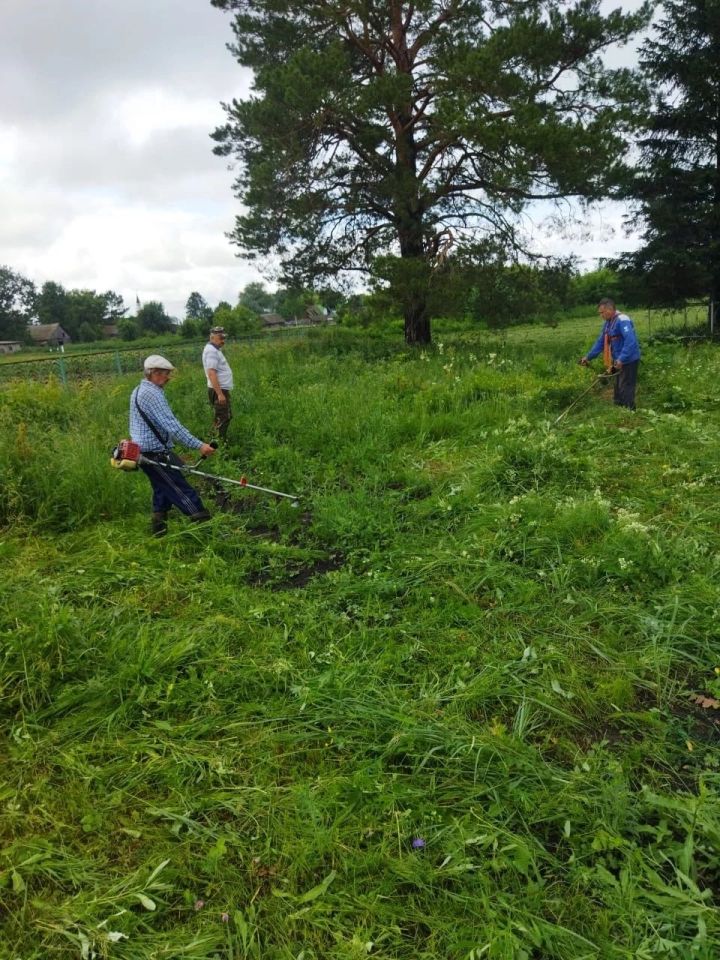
(126,455)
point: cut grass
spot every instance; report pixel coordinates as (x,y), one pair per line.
(479,633)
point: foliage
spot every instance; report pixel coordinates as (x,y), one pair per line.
(114,306)
(152,318)
(85,315)
(588,289)
(194,329)
(81,313)
(479,286)
(621,285)
(331,298)
(17,304)
(256,298)
(52,304)
(128,328)
(291,302)
(379,130)
(197,308)
(372,309)
(444,710)
(236,320)
(677,183)
(500,294)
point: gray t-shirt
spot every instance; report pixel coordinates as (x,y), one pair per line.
(214,359)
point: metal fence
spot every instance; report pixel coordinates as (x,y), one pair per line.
(75,367)
(690,320)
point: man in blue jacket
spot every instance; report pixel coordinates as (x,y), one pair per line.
(619,346)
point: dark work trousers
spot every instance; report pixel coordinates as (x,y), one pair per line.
(222,411)
(170,488)
(625,383)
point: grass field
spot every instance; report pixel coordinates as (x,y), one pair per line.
(442,711)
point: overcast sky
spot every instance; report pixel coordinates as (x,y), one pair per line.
(107,176)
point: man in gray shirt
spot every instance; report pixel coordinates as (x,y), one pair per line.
(219,381)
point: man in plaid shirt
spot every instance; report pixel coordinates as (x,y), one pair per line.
(154,427)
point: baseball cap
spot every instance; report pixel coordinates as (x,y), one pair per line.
(156,362)
(219,330)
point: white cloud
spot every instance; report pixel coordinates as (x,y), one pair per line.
(146,112)
(9,150)
(107,176)
(156,254)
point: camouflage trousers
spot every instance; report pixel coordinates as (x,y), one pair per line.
(222,412)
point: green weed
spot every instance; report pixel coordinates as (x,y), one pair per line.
(447,708)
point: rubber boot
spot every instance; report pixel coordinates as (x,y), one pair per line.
(200,516)
(158,524)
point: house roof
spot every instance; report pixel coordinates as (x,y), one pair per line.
(44,331)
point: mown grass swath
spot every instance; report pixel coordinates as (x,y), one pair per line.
(441,711)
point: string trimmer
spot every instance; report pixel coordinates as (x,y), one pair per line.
(127,456)
(601,378)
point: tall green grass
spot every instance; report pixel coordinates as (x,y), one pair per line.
(442,710)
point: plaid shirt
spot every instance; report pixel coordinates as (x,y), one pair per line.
(154,405)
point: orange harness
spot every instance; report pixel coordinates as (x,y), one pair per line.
(607,352)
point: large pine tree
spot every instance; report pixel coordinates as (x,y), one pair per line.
(677,182)
(377,127)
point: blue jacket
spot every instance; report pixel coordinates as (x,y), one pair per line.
(624,344)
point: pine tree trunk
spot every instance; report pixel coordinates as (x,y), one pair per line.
(412,285)
(417,324)
(714,305)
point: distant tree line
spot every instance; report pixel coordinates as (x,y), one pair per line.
(488,292)
(85,315)
(254,301)
(496,294)
(81,313)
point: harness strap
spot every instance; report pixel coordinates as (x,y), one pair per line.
(607,352)
(148,421)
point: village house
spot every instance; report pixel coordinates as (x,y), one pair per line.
(314,314)
(272,320)
(10,346)
(48,335)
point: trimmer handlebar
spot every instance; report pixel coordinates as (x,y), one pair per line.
(127,456)
(214,445)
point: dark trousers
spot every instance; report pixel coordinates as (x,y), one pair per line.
(625,383)
(222,411)
(170,488)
